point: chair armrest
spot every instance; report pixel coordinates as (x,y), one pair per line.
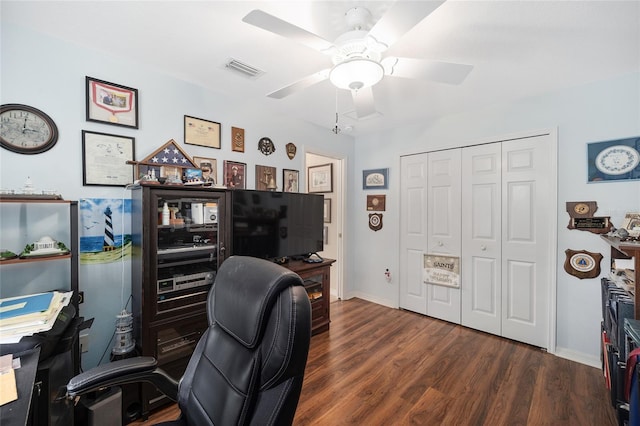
(131,370)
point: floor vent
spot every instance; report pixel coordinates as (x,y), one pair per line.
(244,69)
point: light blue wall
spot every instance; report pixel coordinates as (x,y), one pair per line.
(49,74)
(600,111)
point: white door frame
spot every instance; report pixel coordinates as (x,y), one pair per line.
(339,190)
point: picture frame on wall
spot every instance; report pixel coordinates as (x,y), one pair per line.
(320,178)
(105,157)
(111,103)
(290,180)
(614,160)
(375,179)
(326,215)
(201,132)
(266,178)
(209,167)
(237,139)
(234,174)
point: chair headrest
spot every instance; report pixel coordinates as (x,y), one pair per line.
(244,291)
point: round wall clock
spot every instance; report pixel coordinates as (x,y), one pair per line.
(26,130)
(617,160)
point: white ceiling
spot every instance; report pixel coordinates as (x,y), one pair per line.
(518,49)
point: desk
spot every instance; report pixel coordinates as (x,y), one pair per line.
(16,413)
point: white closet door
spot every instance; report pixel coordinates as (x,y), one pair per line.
(481,238)
(528,210)
(413,231)
(443,227)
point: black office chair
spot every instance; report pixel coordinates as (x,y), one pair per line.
(249,364)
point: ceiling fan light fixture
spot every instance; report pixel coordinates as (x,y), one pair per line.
(356,74)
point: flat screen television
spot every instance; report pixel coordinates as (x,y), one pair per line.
(276,225)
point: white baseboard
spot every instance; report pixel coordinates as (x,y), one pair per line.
(368,298)
(578,357)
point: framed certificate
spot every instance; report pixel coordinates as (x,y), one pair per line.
(198,131)
(105,157)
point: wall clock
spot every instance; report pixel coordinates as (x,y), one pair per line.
(26,130)
(617,160)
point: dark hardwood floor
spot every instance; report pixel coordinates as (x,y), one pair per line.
(383,366)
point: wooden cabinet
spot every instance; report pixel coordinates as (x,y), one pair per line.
(175,259)
(316,278)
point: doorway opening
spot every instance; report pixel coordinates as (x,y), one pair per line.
(334,219)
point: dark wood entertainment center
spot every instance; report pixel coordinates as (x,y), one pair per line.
(316,277)
(174,263)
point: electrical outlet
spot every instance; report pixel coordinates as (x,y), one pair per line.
(84,343)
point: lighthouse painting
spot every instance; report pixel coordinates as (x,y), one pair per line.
(105,234)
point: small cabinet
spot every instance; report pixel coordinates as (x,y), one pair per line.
(179,236)
(316,278)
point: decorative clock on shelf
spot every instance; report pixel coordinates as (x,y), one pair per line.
(26,130)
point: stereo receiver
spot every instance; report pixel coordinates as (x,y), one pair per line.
(186,281)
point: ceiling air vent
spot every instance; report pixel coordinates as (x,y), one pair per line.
(244,69)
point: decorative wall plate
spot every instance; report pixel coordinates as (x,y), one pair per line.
(291,150)
(582,264)
(375,221)
(266,146)
(617,160)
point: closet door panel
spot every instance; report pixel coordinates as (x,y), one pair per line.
(528,212)
(481,238)
(443,227)
(413,229)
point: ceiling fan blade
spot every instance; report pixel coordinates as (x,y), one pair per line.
(363,101)
(442,72)
(268,22)
(300,85)
(400,18)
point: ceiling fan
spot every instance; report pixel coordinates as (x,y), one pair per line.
(358,55)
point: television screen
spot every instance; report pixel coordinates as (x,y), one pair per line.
(273,225)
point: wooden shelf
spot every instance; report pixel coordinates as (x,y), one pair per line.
(627,249)
(34,259)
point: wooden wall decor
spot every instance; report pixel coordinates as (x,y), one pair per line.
(582,218)
(582,263)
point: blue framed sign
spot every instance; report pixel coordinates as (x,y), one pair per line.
(375,179)
(615,160)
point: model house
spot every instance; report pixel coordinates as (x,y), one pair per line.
(556,77)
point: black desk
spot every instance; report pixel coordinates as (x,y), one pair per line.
(17,412)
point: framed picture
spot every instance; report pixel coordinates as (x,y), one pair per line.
(198,131)
(325,235)
(266,178)
(615,160)
(376,203)
(375,179)
(290,179)
(320,178)
(111,103)
(237,139)
(327,210)
(631,223)
(234,174)
(209,167)
(104,159)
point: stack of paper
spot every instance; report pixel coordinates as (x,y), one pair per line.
(34,313)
